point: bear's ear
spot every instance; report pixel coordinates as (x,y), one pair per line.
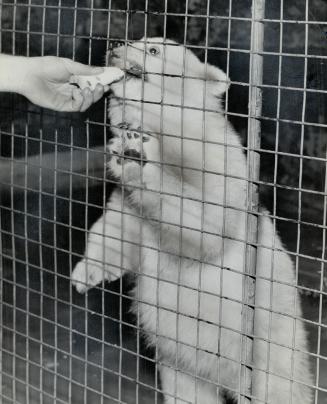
(218,82)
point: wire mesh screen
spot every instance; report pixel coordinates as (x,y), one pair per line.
(190,203)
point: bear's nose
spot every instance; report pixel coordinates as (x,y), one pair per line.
(116,44)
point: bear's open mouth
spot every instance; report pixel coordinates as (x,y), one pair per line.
(135,70)
(132,68)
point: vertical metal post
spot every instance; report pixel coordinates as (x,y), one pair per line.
(1,280)
(1,256)
(253,172)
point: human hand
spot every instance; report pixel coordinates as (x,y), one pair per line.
(46,82)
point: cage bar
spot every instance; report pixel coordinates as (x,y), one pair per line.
(25,376)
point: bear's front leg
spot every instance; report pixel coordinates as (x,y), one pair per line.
(111,249)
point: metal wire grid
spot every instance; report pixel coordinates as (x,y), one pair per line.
(35,392)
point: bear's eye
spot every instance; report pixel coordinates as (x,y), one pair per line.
(154,51)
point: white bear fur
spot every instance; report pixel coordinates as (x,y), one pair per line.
(188,290)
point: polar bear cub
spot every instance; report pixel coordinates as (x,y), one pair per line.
(178,221)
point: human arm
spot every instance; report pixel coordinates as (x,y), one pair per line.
(45,81)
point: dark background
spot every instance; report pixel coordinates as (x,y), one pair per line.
(53,185)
